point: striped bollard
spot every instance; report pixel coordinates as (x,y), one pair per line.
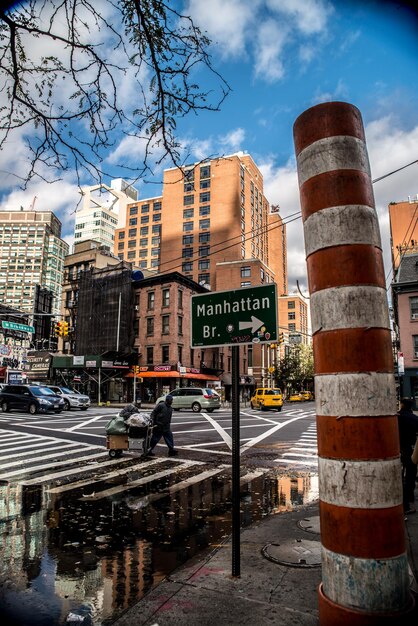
(364,564)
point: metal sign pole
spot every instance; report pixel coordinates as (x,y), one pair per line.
(236,568)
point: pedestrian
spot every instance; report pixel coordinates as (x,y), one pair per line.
(161,417)
(408,429)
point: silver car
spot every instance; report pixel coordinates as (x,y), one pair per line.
(194,398)
(72,399)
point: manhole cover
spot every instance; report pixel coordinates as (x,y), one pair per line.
(294,553)
(310,524)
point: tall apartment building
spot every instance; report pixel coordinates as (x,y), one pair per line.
(103,209)
(31,253)
(403,218)
(293,316)
(214,225)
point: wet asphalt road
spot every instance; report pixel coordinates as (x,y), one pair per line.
(85,535)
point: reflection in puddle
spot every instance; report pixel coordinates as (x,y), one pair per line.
(66,560)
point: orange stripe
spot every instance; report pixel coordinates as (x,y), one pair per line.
(327,120)
(335,188)
(357,438)
(355,264)
(339,350)
(363,533)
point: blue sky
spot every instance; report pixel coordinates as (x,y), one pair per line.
(280,57)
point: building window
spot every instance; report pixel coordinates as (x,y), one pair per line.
(245,272)
(142,264)
(204,223)
(131,255)
(144,219)
(150,326)
(180,325)
(143,231)
(204,210)
(121,245)
(165,353)
(180,298)
(415,345)
(121,235)
(204,237)
(166,297)
(291,315)
(204,197)
(204,250)
(155,241)
(205,184)
(133,221)
(155,252)
(132,232)
(187,240)
(187,253)
(188,213)
(133,210)
(165,324)
(413,306)
(292,327)
(188,187)
(250,356)
(143,253)
(145,208)
(291,304)
(132,243)
(204,171)
(156,230)
(188,200)
(155,262)
(204,265)
(187,267)
(143,242)
(180,354)
(151,301)
(204,278)
(150,355)
(187,227)
(156,217)
(246,283)
(157,206)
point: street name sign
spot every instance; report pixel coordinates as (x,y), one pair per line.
(22,327)
(238,317)
(295,338)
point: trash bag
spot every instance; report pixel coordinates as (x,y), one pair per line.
(128,410)
(116,426)
(138,419)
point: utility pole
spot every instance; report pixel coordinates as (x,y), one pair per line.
(364,564)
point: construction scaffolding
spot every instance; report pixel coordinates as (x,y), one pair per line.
(105,311)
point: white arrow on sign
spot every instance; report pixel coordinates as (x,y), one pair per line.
(254,324)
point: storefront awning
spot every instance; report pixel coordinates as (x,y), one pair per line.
(3,372)
(173,374)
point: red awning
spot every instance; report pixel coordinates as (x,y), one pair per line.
(3,371)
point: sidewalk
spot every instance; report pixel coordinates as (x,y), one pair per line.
(203,593)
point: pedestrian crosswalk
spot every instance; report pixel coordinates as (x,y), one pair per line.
(304,453)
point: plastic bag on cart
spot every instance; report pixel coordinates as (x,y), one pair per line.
(116,426)
(139,419)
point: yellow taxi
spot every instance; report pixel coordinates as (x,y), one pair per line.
(296,397)
(267,398)
(307,395)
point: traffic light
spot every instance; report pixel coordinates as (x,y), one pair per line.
(58,329)
(64,327)
(136,369)
(273,346)
(281,338)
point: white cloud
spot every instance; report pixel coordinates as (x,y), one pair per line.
(233,140)
(339,93)
(271,39)
(309,16)
(224,22)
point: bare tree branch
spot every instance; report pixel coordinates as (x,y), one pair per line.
(66,65)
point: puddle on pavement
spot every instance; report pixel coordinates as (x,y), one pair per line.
(71,561)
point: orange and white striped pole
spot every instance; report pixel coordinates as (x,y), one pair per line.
(364,564)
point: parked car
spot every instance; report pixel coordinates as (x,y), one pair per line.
(267,398)
(194,398)
(307,395)
(296,397)
(72,399)
(30,398)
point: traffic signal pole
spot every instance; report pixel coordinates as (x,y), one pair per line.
(364,564)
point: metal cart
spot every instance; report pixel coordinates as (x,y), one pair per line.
(137,438)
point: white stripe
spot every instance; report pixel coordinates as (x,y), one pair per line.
(360,484)
(341,225)
(220,430)
(44,466)
(295,462)
(256,440)
(48,445)
(355,395)
(302,456)
(67,449)
(85,423)
(332,153)
(361,306)
(301,449)
(77,470)
(367,584)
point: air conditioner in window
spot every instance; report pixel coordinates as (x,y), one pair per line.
(136,307)
(70,304)
(414,316)
(416,354)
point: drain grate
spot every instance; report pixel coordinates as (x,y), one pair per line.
(310,524)
(294,553)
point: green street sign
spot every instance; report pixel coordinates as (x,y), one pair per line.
(21,327)
(230,318)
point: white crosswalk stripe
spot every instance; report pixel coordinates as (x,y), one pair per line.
(304,453)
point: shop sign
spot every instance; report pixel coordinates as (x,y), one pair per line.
(91,364)
(183,371)
(78,360)
(162,368)
(5,350)
(108,364)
